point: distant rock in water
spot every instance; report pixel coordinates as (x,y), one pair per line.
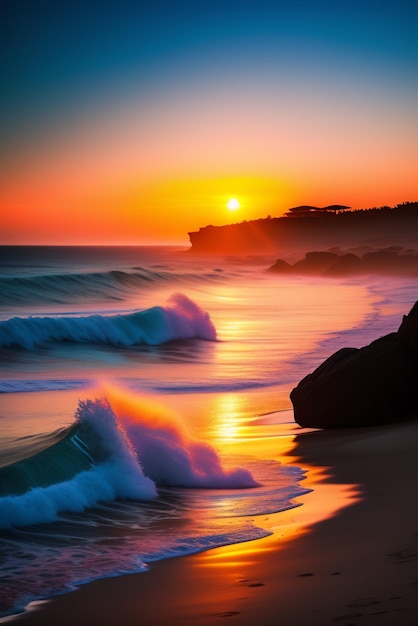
(369,386)
(348,264)
(316,262)
(281,266)
(389,261)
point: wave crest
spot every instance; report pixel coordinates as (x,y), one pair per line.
(181,318)
(97,460)
(107,455)
(166,451)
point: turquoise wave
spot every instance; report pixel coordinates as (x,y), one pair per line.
(181,318)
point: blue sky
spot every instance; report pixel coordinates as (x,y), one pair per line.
(57,53)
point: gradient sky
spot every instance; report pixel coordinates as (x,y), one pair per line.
(135,122)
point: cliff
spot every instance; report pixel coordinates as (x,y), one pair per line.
(379,226)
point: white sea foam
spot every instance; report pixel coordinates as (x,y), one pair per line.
(131,451)
(166,451)
(181,318)
(119,475)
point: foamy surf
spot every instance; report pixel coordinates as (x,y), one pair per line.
(273,332)
(94,462)
(166,451)
(105,457)
(181,318)
(124,486)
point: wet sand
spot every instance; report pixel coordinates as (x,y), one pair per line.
(358,566)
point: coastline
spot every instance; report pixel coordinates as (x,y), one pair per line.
(311,228)
(356,566)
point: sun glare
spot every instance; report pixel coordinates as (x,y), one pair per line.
(233,204)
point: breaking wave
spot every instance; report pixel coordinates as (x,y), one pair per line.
(123,486)
(181,318)
(106,456)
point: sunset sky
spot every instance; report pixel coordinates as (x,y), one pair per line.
(135,122)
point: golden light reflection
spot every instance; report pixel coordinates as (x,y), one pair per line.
(231,565)
(235,329)
(229,414)
(285,526)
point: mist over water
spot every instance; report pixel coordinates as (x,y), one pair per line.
(133,385)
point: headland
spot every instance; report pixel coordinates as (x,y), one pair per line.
(312,228)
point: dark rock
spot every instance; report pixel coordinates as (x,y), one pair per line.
(390,261)
(373,385)
(316,262)
(408,332)
(280,266)
(380,258)
(346,264)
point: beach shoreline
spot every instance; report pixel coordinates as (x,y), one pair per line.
(356,566)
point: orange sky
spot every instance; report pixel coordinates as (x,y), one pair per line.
(145,156)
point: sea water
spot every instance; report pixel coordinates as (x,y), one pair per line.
(134,382)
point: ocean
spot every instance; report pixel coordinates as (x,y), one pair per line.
(144,392)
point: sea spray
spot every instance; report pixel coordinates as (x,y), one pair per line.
(108,520)
(186,319)
(166,451)
(181,318)
(111,454)
(272,331)
(98,442)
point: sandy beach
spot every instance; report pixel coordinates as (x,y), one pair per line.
(347,556)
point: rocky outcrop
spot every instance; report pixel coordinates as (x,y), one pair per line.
(310,228)
(373,385)
(389,261)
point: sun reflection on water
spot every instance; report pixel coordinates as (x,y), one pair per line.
(229,418)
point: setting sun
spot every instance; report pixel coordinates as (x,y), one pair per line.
(233,204)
